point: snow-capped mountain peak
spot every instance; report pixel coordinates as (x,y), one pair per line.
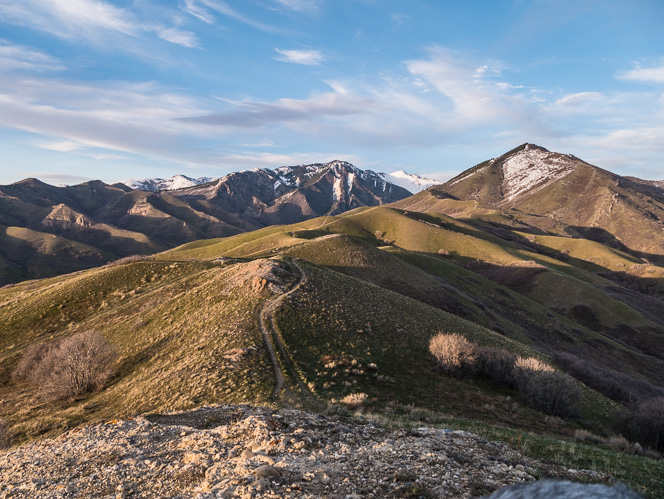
(410,181)
(161,184)
(533,168)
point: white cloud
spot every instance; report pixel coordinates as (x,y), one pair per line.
(196,9)
(437,100)
(307,6)
(58,178)
(652,75)
(470,97)
(58,145)
(69,18)
(134,118)
(306,57)
(579,99)
(91,20)
(179,37)
(25,58)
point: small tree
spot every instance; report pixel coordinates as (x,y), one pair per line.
(453,353)
(65,368)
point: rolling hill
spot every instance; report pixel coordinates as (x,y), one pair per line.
(336,313)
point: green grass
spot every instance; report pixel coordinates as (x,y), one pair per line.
(337,320)
(644,475)
(175,326)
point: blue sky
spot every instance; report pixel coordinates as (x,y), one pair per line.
(101,89)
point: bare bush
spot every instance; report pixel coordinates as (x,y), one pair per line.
(496,363)
(645,423)
(65,368)
(454,353)
(28,368)
(587,437)
(549,391)
(614,384)
(532,364)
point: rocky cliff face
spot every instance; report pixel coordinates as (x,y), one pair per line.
(242,451)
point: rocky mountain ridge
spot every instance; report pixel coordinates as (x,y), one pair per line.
(291,176)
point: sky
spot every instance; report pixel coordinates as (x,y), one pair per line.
(118,89)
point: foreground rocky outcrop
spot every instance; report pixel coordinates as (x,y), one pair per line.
(242,451)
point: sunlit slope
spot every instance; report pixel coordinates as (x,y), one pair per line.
(525,268)
(185,333)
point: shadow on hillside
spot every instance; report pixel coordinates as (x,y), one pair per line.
(604,237)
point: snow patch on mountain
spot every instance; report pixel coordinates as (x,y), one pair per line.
(167,184)
(410,181)
(532,169)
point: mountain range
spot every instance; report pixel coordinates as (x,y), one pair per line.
(47,230)
(411,182)
(326,286)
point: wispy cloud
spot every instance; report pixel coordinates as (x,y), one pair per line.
(440,98)
(117,116)
(58,178)
(254,114)
(307,6)
(191,7)
(178,36)
(652,75)
(69,18)
(198,9)
(25,58)
(306,57)
(91,20)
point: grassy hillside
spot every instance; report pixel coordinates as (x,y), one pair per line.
(343,308)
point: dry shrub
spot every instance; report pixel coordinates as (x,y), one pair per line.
(532,364)
(645,423)
(539,385)
(614,384)
(587,437)
(28,367)
(496,363)
(549,392)
(68,367)
(454,353)
(621,444)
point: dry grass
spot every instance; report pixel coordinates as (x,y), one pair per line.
(354,400)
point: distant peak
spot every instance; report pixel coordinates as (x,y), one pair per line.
(31,182)
(533,168)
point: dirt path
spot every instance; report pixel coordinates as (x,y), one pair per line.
(266,325)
